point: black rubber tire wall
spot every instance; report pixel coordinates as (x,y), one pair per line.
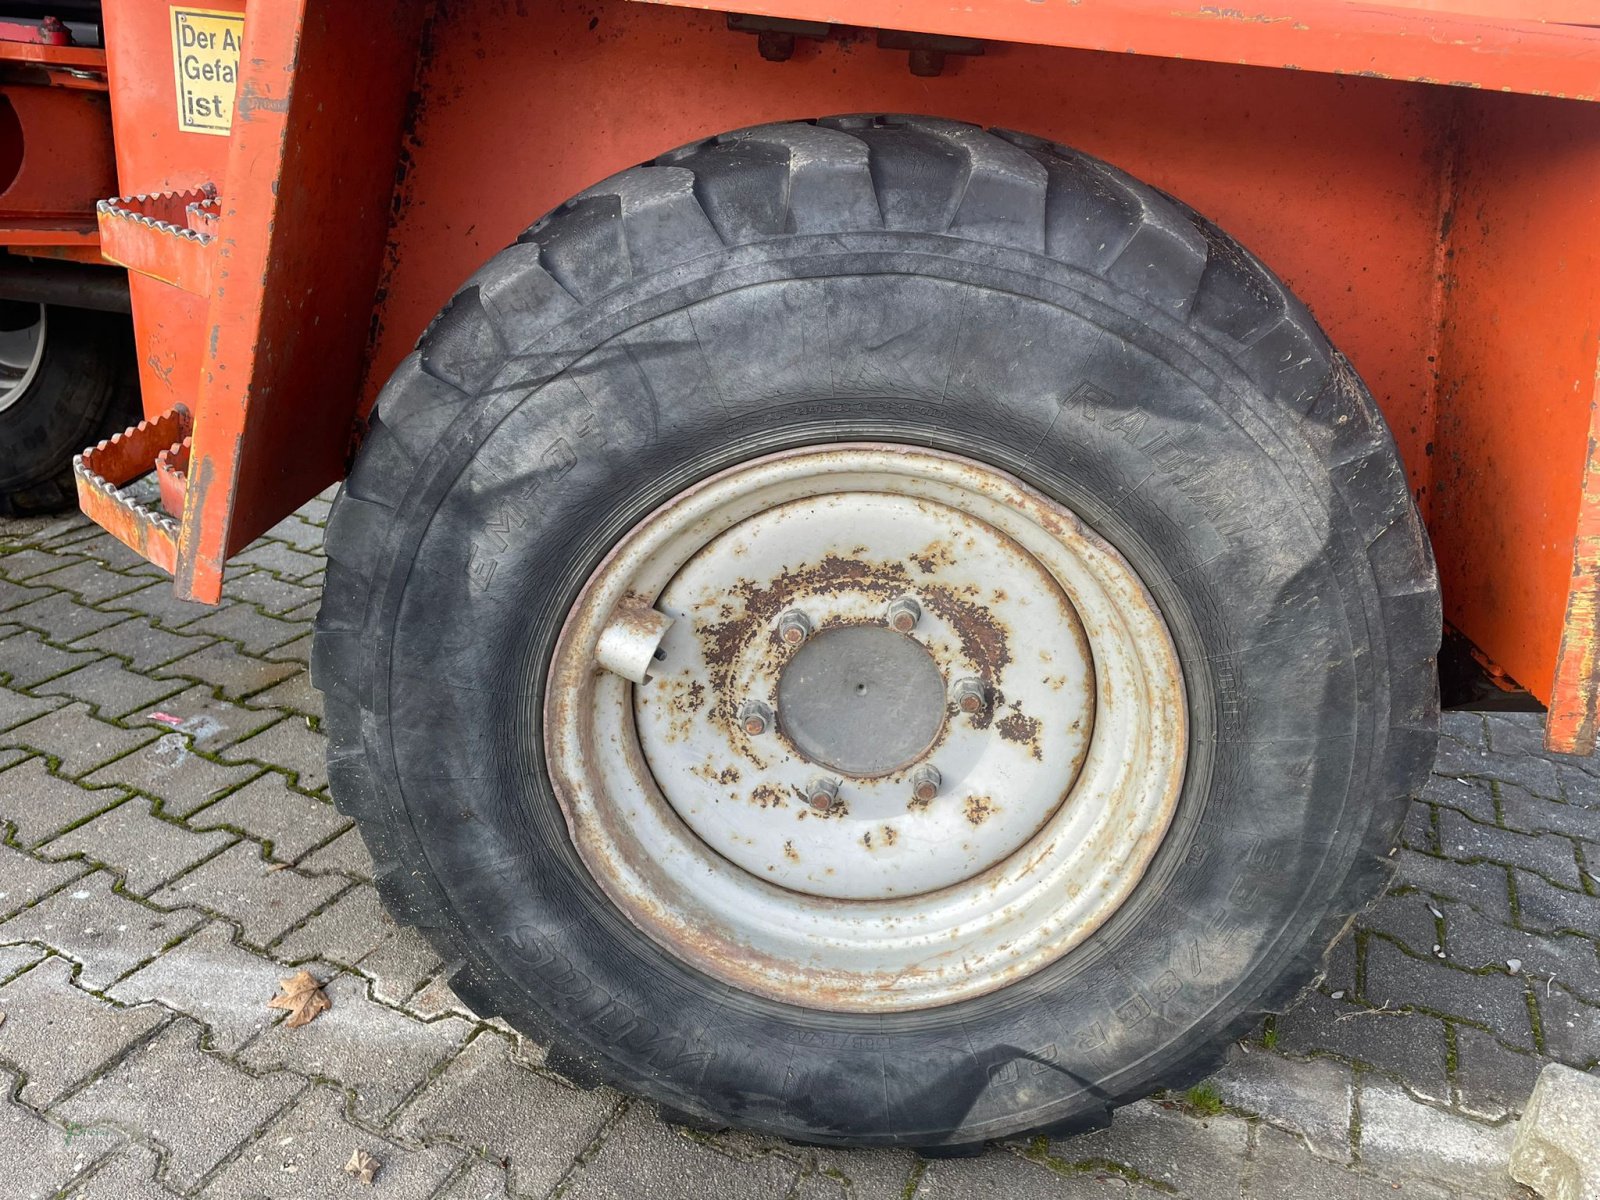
(86,389)
(922,281)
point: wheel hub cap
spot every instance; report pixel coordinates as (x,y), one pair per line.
(906,734)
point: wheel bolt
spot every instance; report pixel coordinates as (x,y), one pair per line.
(821,793)
(925,781)
(755,717)
(904,614)
(794,627)
(970,696)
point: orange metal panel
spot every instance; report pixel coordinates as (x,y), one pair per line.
(1494,44)
(55,162)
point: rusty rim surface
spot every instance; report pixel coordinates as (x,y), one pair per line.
(865,728)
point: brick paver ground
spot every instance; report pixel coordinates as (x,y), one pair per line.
(168,850)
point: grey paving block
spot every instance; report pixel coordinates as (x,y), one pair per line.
(1528,813)
(858,1174)
(1339,965)
(298,650)
(26,659)
(1475,943)
(129,1174)
(1483,885)
(39,1159)
(1314,1098)
(109,688)
(346,932)
(23,878)
(267,808)
(1416,831)
(302,535)
(1395,979)
(399,965)
(1474,797)
(346,854)
(269,593)
(1538,775)
(89,581)
(1194,1156)
(1407,1045)
(224,666)
(61,618)
(209,978)
(254,631)
(1283,1167)
(538,1124)
(20,565)
(79,740)
(223,1105)
(212,724)
(169,768)
(435,999)
(1491,1081)
(280,559)
(15,595)
(480,1180)
(101,548)
(104,932)
(294,695)
(1517,735)
(239,885)
(58,1035)
(1571,1027)
(1550,909)
(1408,918)
(144,849)
(301,1156)
(40,803)
(10,756)
(1547,854)
(143,643)
(16,959)
(289,744)
(380,1054)
(1402,1137)
(16,709)
(643,1157)
(160,603)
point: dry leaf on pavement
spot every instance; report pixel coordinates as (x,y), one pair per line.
(303,997)
(362,1166)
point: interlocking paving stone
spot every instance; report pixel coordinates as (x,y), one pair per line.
(223,1105)
(294,695)
(109,688)
(15,708)
(1571,1027)
(1485,886)
(269,593)
(857,1175)
(267,808)
(399,965)
(1409,1045)
(1474,942)
(234,673)
(1554,910)
(16,959)
(536,1123)
(1407,918)
(18,565)
(61,618)
(302,535)
(1474,797)
(1395,979)
(27,660)
(1003,1174)
(23,878)
(381,1054)
(89,581)
(1195,1157)
(641,1156)
(40,803)
(291,745)
(161,604)
(144,850)
(1545,853)
(209,978)
(169,769)
(143,643)
(254,631)
(1534,814)
(60,1035)
(301,1156)
(240,885)
(1313,1099)
(129,1174)
(482,1180)
(346,854)
(1492,1082)
(280,560)
(346,932)
(210,724)
(38,1158)
(79,740)
(106,933)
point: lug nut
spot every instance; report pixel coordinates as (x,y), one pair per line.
(755,717)
(904,614)
(925,781)
(794,627)
(970,696)
(821,792)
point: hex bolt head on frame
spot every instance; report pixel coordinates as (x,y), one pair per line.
(794,627)
(755,718)
(904,613)
(970,696)
(821,793)
(925,781)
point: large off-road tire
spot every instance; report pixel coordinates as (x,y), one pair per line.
(944,324)
(67,379)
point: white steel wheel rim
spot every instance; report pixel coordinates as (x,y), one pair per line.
(686,854)
(21,352)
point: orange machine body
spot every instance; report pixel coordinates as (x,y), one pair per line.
(1424,173)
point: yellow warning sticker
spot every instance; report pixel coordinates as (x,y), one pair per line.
(205,62)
